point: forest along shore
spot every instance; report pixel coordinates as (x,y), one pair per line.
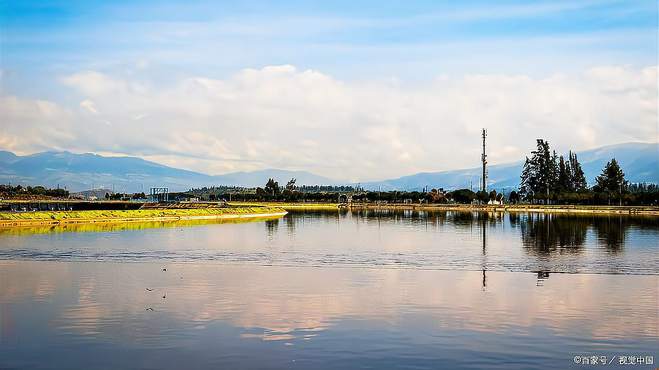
(13,219)
(539,208)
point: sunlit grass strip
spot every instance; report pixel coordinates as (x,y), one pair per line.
(56,217)
(119,225)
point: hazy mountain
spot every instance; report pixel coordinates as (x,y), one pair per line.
(259,178)
(77,172)
(640,161)
(126,174)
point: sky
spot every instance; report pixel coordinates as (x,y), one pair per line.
(354,91)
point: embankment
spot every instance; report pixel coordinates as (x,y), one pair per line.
(8,219)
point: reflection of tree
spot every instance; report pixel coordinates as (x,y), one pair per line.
(272,226)
(462,218)
(291,223)
(611,232)
(546,233)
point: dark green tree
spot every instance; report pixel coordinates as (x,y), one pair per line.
(290,185)
(463,196)
(540,172)
(513,197)
(564,183)
(612,180)
(528,179)
(578,179)
(482,196)
(272,187)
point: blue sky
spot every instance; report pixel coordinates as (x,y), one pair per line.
(51,51)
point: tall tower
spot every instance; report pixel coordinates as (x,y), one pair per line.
(484,160)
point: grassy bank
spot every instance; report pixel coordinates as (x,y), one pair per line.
(138,215)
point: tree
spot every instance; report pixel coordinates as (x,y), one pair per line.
(564,183)
(540,172)
(272,187)
(482,196)
(463,196)
(612,180)
(290,185)
(578,179)
(513,197)
(528,179)
(493,195)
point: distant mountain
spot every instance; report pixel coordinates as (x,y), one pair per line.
(640,161)
(80,172)
(259,178)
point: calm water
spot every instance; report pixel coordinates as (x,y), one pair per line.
(328,290)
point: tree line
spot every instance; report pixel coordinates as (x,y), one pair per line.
(551,179)
(546,178)
(19,191)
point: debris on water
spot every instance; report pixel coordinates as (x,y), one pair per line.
(149,309)
(164,296)
(149,289)
(164,269)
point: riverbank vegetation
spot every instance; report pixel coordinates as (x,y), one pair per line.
(550,179)
(31,192)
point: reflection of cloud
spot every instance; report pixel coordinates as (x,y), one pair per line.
(278,303)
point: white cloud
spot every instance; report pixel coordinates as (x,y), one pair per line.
(32,125)
(89,106)
(282,117)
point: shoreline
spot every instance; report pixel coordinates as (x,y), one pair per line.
(523,208)
(517,208)
(56,218)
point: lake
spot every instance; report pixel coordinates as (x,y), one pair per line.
(331,290)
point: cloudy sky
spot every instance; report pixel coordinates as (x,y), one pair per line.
(351,90)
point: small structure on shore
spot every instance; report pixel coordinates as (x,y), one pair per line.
(159,195)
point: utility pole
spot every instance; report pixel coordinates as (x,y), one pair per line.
(484,160)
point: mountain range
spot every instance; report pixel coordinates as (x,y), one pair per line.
(639,161)
(77,172)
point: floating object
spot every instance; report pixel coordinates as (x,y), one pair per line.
(149,289)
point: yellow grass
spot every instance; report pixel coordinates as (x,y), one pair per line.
(117,225)
(57,217)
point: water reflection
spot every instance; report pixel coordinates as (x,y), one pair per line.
(247,316)
(368,238)
(272,226)
(546,234)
